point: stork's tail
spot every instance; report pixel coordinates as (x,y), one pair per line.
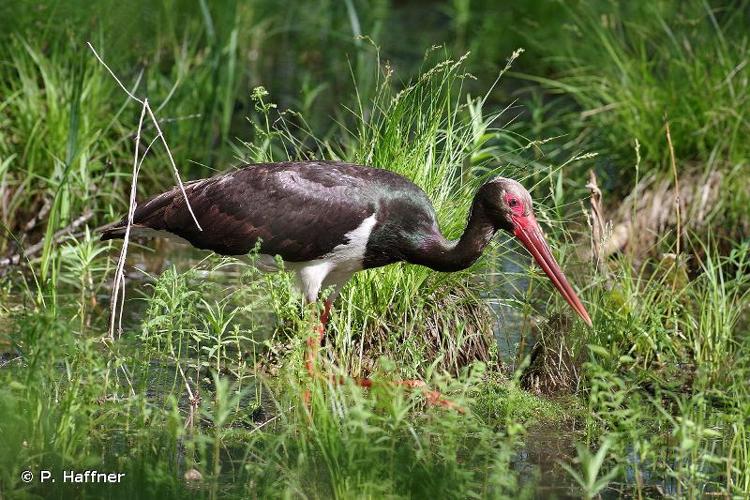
(114,231)
(149,215)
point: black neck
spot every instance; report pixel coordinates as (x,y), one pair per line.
(441,254)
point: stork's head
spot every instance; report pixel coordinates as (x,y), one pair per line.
(509,206)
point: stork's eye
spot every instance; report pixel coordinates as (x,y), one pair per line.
(515,204)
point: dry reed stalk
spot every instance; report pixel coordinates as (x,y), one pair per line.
(596,221)
(119,281)
(118,288)
(160,135)
(678,209)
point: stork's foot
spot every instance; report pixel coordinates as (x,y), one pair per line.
(432,398)
(315,340)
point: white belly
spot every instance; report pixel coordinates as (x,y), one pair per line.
(331,270)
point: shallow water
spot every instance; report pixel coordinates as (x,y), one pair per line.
(537,462)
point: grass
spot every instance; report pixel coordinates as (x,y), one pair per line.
(656,372)
(202,394)
(630,69)
(701,91)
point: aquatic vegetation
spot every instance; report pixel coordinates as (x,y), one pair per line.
(202,394)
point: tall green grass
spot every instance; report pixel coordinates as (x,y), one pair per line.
(630,68)
(666,375)
(65,128)
(208,375)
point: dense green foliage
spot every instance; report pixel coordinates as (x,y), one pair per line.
(207,376)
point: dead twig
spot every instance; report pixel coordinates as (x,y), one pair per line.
(118,288)
(119,281)
(41,214)
(160,135)
(58,237)
(193,398)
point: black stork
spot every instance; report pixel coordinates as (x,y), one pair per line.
(328,220)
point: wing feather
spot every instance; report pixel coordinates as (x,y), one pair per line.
(298,211)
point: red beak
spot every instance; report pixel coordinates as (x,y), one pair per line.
(527,230)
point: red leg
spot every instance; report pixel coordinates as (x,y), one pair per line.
(315,340)
(326,312)
(311,355)
(432,397)
(313,346)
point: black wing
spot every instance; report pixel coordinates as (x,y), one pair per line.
(300,211)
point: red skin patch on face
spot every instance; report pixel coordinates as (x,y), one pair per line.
(520,221)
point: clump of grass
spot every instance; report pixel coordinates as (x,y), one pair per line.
(351,443)
(505,404)
(424,132)
(54,152)
(655,61)
(554,362)
(655,382)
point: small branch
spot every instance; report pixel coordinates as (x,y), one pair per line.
(118,288)
(119,272)
(174,165)
(59,236)
(39,216)
(192,398)
(96,54)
